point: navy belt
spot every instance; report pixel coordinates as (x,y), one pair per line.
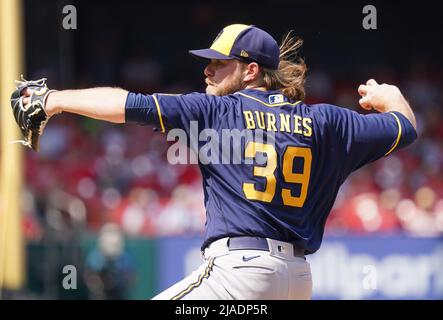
(256,243)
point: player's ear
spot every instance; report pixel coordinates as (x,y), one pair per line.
(251,72)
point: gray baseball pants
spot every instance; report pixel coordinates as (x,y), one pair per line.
(244,274)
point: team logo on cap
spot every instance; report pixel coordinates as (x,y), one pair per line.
(244,54)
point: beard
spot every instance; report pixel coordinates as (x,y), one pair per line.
(229,87)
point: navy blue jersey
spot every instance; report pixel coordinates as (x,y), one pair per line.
(288,194)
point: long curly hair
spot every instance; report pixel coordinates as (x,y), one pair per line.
(290,77)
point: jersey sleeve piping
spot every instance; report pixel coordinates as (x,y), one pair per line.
(398,136)
(160,117)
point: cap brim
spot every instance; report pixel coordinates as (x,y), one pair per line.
(209,54)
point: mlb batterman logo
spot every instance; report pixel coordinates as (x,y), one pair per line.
(276,98)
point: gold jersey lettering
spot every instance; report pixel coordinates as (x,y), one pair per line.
(284,122)
(249,119)
(307,132)
(297,124)
(271,122)
(260,120)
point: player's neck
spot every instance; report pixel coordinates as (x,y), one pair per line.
(255,87)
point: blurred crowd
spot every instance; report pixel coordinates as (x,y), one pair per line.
(403,192)
(89,173)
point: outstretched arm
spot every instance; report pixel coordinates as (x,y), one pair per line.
(385,98)
(99,103)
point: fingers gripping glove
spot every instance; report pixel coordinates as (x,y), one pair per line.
(31,118)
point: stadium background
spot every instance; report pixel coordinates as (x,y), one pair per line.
(91,176)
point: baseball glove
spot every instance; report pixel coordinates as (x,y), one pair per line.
(31,118)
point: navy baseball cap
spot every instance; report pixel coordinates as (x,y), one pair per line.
(243,42)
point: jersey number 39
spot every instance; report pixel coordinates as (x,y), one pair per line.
(268,172)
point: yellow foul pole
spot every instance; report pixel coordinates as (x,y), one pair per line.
(11,66)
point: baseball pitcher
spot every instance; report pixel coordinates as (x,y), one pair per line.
(266,212)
